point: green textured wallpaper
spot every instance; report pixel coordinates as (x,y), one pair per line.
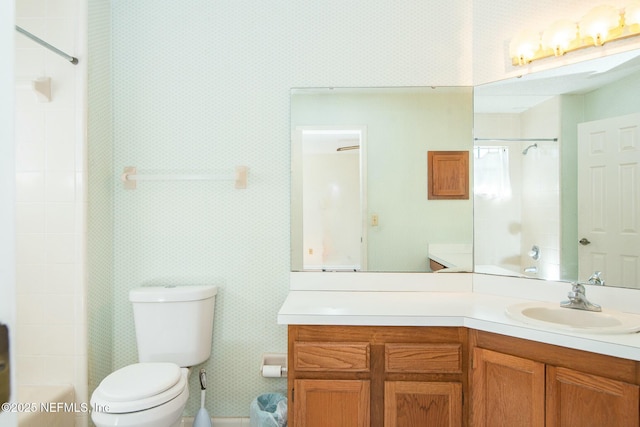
(202,87)
(100,194)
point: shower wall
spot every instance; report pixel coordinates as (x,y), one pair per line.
(541,189)
(51,200)
(497,222)
(505,230)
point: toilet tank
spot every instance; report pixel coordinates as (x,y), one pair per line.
(174,323)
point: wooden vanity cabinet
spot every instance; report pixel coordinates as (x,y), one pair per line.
(519,382)
(506,390)
(361,376)
(582,400)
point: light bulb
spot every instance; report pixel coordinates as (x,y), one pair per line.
(598,22)
(524,46)
(632,13)
(559,36)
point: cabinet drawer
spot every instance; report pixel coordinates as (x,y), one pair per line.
(337,357)
(423,358)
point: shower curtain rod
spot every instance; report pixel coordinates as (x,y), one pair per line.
(47,45)
(515,139)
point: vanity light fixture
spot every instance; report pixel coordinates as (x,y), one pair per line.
(600,25)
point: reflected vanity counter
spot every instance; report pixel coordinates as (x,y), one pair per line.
(451,256)
(469,300)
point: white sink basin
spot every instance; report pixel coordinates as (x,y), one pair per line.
(551,315)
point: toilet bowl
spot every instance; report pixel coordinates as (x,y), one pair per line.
(174,327)
(143,395)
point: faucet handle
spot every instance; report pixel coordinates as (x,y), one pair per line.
(596,278)
(577,287)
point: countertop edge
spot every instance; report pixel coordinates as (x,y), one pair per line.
(456,309)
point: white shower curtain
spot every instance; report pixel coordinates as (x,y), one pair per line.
(491,173)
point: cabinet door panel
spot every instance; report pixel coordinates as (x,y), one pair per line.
(335,357)
(423,358)
(332,403)
(507,391)
(576,399)
(411,404)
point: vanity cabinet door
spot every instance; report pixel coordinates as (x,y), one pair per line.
(576,399)
(506,390)
(433,404)
(332,403)
(397,376)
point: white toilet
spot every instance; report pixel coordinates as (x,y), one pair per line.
(174,328)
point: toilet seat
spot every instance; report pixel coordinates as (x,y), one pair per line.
(138,387)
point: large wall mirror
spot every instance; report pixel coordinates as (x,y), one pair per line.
(359,179)
(557,181)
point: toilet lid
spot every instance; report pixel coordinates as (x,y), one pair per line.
(138,381)
(139,386)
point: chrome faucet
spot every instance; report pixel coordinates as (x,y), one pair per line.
(595,279)
(578,299)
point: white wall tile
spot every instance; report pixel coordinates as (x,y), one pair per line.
(30,249)
(63,79)
(61,278)
(30,339)
(30,217)
(61,218)
(30,307)
(30,278)
(59,340)
(29,186)
(58,369)
(60,32)
(50,151)
(60,248)
(31,8)
(60,186)
(30,124)
(60,145)
(30,156)
(81,187)
(31,369)
(59,309)
(62,8)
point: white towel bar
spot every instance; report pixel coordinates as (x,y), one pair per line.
(130,177)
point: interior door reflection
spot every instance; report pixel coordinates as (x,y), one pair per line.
(332,201)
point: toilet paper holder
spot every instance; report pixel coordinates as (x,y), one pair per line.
(274,365)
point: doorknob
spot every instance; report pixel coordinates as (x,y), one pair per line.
(5,372)
(584,241)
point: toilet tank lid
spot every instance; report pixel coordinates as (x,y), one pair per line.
(172,293)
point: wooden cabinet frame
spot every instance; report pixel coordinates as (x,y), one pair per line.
(408,364)
(395,367)
(448,173)
(572,388)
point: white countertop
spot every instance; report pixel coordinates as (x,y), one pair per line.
(485,312)
(458,256)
